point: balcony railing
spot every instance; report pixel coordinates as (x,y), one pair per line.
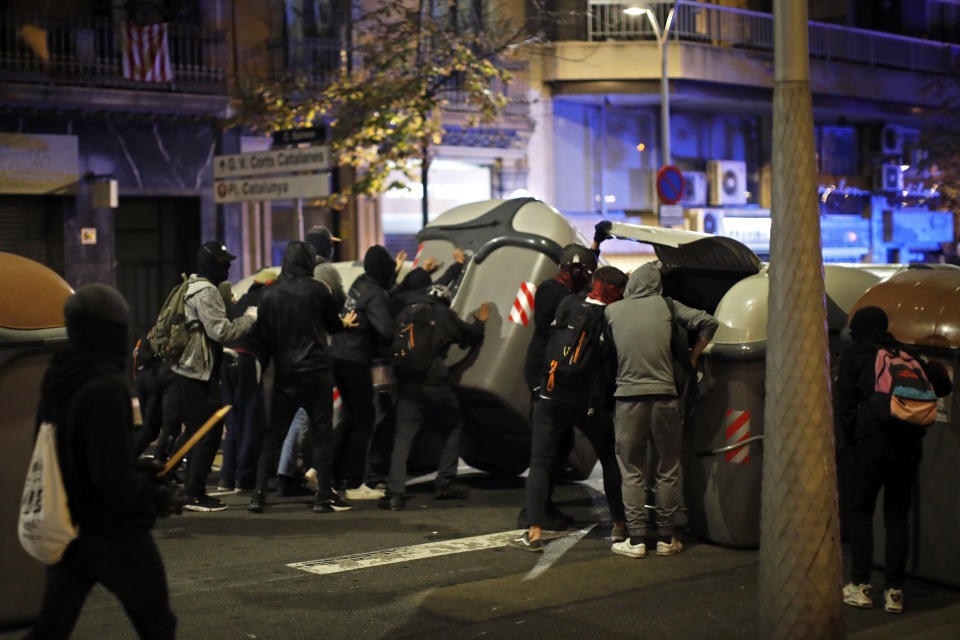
(726,26)
(88,51)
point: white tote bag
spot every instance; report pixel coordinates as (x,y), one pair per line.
(45,527)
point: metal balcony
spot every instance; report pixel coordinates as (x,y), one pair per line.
(751,30)
(85,51)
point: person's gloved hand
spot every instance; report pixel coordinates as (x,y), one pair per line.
(169,501)
(601,231)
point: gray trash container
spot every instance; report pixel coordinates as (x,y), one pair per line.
(31,328)
(930,322)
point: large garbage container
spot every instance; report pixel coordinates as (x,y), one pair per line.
(923,306)
(31,328)
(722,448)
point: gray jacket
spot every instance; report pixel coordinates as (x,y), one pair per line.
(204,309)
(640,329)
(326,273)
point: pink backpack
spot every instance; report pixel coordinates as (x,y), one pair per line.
(900,377)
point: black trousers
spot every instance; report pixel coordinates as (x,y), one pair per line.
(354,432)
(436,407)
(245,424)
(880,462)
(126,563)
(314,393)
(199,399)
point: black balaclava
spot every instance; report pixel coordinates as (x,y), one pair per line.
(319,238)
(417,279)
(298,260)
(97,318)
(380,265)
(213,262)
(868,324)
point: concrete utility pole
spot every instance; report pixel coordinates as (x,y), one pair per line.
(800,564)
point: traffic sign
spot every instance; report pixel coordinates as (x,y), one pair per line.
(271,162)
(271,188)
(294,136)
(669,184)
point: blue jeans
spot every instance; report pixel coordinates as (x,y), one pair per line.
(292,444)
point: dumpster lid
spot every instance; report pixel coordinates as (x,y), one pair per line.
(32,294)
(923,306)
(680,249)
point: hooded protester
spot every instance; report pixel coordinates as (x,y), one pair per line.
(113,503)
(296,315)
(197,373)
(584,402)
(362,457)
(647,411)
(881,453)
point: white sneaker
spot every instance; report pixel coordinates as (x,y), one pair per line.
(857,595)
(630,550)
(664,549)
(893,600)
(363,492)
(311,477)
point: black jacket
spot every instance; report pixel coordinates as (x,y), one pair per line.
(545,302)
(368,297)
(86,397)
(451,329)
(854,415)
(251,341)
(295,315)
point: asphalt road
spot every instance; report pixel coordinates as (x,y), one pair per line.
(230,578)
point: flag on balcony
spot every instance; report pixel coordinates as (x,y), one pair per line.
(146,54)
(36,39)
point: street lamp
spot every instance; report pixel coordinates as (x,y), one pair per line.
(643,8)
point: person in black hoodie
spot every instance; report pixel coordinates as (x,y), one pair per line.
(295,316)
(883,453)
(112,502)
(357,460)
(427,397)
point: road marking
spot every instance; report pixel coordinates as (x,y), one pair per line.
(405,554)
(555,550)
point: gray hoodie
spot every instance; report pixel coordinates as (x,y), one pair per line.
(641,332)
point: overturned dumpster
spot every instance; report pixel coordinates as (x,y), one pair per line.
(31,329)
(923,307)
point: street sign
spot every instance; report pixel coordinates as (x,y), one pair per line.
(271,162)
(669,184)
(671,215)
(271,188)
(294,136)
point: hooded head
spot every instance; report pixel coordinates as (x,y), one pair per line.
(321,240)
(577,264)
(380,265)
(644,281)
(868,324)
(298,260)
(416,280)
(213,261)
(97,318)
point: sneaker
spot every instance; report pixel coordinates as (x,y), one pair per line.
(332,502)
(669,548)
(396,503)
(257,502)
(525,543)
(364,492)
(310,476)
(204,503)
(857,595)
(892,600)
(618,534)
(625,548)
(226,489)
(451,490)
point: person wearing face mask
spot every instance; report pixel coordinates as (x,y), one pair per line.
(197,372)
(113,501)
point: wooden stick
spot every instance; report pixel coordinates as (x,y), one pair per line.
(202,431)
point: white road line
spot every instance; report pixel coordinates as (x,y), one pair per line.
(555,550)
(405,554)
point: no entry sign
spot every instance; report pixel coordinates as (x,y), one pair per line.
(669,184)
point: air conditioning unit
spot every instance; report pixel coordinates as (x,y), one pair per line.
(728,182)
(891,140)
(704,220)
(888,177)
(694,189)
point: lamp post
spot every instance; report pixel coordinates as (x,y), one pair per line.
(662,37)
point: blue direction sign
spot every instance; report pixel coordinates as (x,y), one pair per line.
(669,184)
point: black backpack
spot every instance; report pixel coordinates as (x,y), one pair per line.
(416,342)
(571,347)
